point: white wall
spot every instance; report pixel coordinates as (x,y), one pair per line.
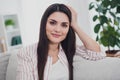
(30,28)
(9,6)
(31,12)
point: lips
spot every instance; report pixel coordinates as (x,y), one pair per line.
(56,35)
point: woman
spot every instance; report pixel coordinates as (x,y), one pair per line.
(52,57)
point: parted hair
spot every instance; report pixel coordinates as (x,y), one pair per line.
(68,44)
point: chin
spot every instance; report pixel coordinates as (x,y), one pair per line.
(56,41)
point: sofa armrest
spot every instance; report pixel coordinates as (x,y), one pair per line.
(12,66)
(105,69)
(4,59)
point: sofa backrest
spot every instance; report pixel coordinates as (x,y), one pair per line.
(4,59)
(105,69)
(12,66)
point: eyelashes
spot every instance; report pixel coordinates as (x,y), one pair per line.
(54,23)
(64,25)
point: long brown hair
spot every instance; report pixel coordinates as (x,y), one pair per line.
(68,44)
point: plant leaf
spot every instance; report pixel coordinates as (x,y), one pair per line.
(118,9)
(112,14)
(99,8)
(97,38)
(104,41)
(118,42)
(103,19)
(98,0)
(91,5)
(113,3)
(118,18)
(95,18)
(105,3)
(118,32)
(112,41)
(116,22)
(97,28)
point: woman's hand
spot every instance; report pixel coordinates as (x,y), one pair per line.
(74,23)
(88,42)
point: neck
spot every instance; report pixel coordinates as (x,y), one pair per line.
(53,49)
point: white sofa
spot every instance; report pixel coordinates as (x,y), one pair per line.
(105,69)
(9,66)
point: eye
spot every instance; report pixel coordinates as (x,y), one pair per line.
(64,25)
(52,22)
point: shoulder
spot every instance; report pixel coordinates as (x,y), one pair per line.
(88,54)
(28,52)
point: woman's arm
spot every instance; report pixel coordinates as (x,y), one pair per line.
(25,68)
(88,42)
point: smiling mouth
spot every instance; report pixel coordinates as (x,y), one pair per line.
(56,35)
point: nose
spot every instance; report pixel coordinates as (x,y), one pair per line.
(57,28)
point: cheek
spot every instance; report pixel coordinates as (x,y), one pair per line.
(66,32)
(48,28)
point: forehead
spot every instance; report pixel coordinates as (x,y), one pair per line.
(59,16)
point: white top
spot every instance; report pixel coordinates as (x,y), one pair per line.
(58,72)
(27,62)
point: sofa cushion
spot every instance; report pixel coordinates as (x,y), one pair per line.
(4,58)
(105,69)
(12,66)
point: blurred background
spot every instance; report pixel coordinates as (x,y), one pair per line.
(26,15)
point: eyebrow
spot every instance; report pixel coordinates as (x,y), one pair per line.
(56,21)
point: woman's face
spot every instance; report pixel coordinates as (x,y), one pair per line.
(57,27)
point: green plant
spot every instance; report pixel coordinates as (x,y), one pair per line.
(107,18)
(9,22)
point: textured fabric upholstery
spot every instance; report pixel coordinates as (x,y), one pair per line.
(4,59)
